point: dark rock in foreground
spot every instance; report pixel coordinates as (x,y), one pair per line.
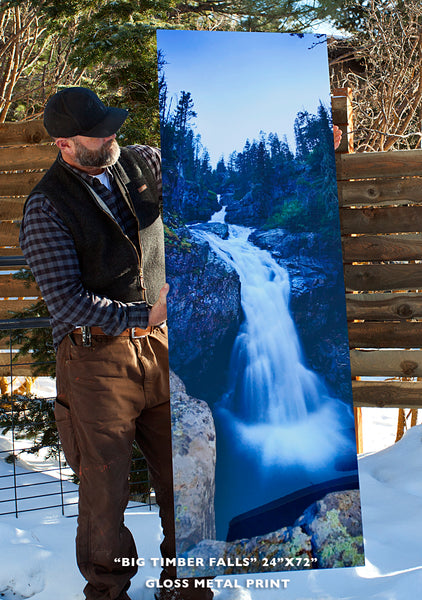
(327,535)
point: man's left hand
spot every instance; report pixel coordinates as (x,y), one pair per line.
(158,312)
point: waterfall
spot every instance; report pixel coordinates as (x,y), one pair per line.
(274,404)
(278,429)
(269,380)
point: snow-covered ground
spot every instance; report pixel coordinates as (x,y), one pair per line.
(37,549)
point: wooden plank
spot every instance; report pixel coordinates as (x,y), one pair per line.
(5,344)
(10,287)
(9,233)
(339,110)
(368,248)
(396,219)
(396,394)
(21,158)
(23,132)
(366,278)
(386,363)
(11,208)
(385,335)
(357,412)
(384,307)
(5,359)
(18,184)
(365,165)
(10,265)
(342,114)
(14,251)
(380,191)
(22,371)
(8,307)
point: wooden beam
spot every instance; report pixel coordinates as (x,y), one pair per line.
(10,287)
(366,165)
(18,184)
(15,251)
(397,394)
(339,110)
(8,307)
(396,219)
(11,208)
(366,278)
(23,132)
(380,191)
(386,363)
(384,307)
(23,158)
(369,248)
(9,233)
(22,370)
(342,115)
(385,335)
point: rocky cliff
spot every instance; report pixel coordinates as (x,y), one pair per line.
(204,312)
(190,200)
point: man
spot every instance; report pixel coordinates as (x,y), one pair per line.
(92,234)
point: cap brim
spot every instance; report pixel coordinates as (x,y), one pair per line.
(110,124)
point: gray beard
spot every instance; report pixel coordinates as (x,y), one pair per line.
(104,157)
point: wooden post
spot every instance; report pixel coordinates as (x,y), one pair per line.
(341,103)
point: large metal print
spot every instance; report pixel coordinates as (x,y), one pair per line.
(264,447)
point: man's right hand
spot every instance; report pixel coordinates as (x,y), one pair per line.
(158,312)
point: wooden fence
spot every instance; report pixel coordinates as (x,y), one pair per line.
(25,153)
(380,198)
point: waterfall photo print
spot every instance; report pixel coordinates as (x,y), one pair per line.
(264,451)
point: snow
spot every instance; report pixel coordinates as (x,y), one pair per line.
(37,549)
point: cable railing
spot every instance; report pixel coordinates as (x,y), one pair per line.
(33,471)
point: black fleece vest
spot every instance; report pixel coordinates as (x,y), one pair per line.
(111,265)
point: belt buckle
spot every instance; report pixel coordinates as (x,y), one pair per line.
(133,334)
(86,336)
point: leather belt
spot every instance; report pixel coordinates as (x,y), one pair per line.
(132,332)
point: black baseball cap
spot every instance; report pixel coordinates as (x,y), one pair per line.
(79,111)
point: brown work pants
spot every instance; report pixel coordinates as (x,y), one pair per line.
(108,395)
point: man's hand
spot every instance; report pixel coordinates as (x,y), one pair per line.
(158,312)
(337,136)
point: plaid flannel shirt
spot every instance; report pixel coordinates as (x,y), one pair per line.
(50,251)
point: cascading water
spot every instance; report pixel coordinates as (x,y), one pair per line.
(277,423)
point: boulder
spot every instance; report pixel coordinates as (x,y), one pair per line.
(335,526)
(194,455)
(328,534)
(220,229)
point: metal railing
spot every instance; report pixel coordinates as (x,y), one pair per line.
(27,484)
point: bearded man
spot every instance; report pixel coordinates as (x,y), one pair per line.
(93,236)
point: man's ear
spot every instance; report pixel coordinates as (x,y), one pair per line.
(63,144)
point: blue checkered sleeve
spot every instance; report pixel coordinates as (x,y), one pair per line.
(50,252)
